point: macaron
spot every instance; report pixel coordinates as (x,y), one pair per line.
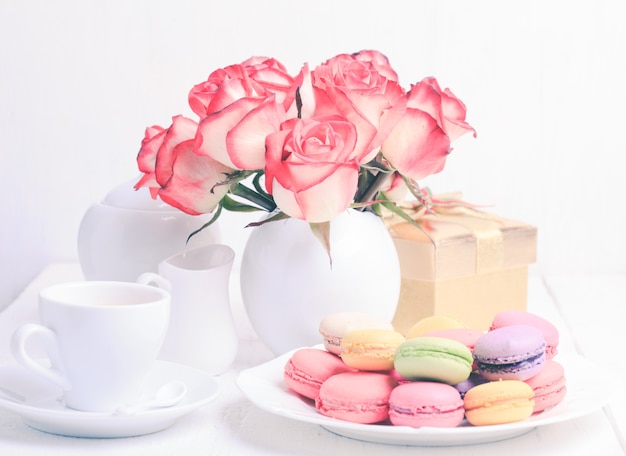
(308,368)
(370,349)
(334,327)
(419,404)
(548,386)
(515,352)
(520,317)
(505,401)
(433,323)
(358,397)
(473,380)
(467,336)
(433,358)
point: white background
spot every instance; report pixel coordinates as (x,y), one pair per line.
(544,82)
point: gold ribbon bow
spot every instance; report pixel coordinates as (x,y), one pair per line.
(449,208)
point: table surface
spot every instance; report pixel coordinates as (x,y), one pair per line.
(586,309)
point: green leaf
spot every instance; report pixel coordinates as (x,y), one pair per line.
(370,184)
(322,232)
(218,211)
(265,201)
(273,218)
(375,208)
(235,206)
(237,175)
(256,182)
(399,212)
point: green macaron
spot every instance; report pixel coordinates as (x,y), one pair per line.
(433,358)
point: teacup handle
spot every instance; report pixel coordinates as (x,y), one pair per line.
(18,349)
(151,277)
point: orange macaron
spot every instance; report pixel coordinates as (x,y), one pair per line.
(498,402)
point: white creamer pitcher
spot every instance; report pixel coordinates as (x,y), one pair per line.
(201,333)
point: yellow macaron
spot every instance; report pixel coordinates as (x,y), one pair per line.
(370,349)
(433,323)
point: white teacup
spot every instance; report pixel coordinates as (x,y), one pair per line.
(102,339)
(201,331)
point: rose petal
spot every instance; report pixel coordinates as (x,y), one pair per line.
(193,187)
(271,74)
(417,146)
(305,153)
(182,129)
(447,109)
(303,84)
(319,203)
(212,131)
(311,170)
(201,95)
(245,142)
(233,90)
(425,97)
(335,102)
(380,62)
(146,158)
(455,111)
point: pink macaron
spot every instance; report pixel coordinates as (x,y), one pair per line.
(308,368)
(420,404)
(520,317)
(358,397)
(548,386)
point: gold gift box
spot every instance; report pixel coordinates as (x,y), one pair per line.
(463,263)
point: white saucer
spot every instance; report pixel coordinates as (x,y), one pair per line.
(588,388)
(43,408)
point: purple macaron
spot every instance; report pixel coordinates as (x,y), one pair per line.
(515,352)
(473,380)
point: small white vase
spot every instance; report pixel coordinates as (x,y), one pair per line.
(129,233)
(288,283)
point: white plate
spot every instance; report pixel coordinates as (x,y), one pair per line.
(43,407)
(589,388)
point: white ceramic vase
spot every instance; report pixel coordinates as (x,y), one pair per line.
(288,283)
(129,233)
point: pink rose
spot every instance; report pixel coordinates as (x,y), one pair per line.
(442,105)
(420,142)
(155,155)
(273,77)
(239,106)
(195,186)
(364,88)
(174,173)
(235,136)
(201,95)
(311,170)
(146,158)
(261,76)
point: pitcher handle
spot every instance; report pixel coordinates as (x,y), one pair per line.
(148,278)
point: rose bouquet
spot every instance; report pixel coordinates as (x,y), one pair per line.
(343,135)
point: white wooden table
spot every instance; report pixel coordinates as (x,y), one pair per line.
(589,311)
